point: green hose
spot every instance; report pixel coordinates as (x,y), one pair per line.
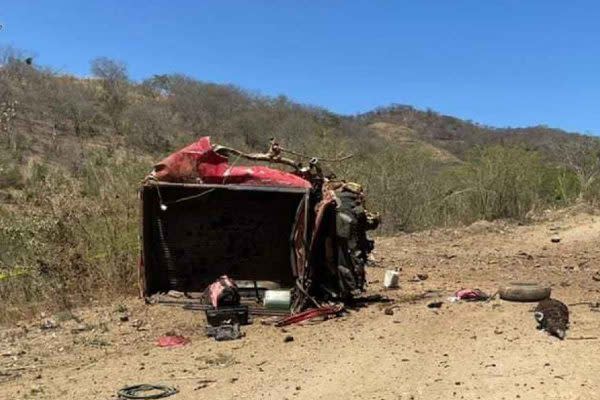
(137,392)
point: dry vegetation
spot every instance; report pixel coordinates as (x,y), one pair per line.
(72,152)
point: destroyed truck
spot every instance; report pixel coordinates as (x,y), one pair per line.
(203,215)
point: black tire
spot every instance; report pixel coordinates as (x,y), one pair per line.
(524,292)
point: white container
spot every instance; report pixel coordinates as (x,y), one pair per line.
(391,278)
(277,299)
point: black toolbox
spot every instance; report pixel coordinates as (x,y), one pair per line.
(228,314)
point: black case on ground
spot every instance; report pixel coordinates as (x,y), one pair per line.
(233,314)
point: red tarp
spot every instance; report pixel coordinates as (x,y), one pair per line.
(199,163)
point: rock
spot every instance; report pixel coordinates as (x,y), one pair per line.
(389,311)
(596,276)
(124,317)
(555,239)
(48,324)
(137,323)
(81,328)
(36,389)
(435,304)
(422,277)
(288,338)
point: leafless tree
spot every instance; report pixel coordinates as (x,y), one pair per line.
(115,82)
(582,156)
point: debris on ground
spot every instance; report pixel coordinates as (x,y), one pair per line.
(390,310)
(146,391)
(277,299)
(288,338)
(309,314)
(435,304)
(225,313)
(172,341)
(224,331)
(524,292)
(469,295)
(48,324)
(552,316)
(391,278)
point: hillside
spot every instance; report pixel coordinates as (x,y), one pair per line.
(459,136)
(73,151)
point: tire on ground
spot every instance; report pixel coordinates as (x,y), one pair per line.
(524,292)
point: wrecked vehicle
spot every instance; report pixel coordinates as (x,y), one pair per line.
(204,216)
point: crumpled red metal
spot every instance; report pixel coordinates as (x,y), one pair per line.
(199,163)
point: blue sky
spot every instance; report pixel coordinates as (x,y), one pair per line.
(502,63)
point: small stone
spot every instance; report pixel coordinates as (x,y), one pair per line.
(48,324)
(288,338)
(124,317)
(555,239)
(435,304)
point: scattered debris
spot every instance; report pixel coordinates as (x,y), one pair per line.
(235,314)
(175,294)
(146,391)
(391,278)
(471,295)
(224,331)
(48,324)
(552,316)
(309,314)
(137,324)
(81,328)
(202,384)
(223,292)
(390,310)
(277,299)
(288,338)
(524,292)
(435,304)
(172,341)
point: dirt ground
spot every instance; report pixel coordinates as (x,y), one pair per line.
(462,350)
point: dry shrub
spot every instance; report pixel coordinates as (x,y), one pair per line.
(73,239)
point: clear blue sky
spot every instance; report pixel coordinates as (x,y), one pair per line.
(503,63)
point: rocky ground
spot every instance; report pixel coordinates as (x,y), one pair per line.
(462,350)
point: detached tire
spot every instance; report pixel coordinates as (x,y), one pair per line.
(524,292)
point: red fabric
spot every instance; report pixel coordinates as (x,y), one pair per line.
(172,341)
(199,163)
(471,294)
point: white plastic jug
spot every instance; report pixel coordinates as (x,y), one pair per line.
(391,278)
